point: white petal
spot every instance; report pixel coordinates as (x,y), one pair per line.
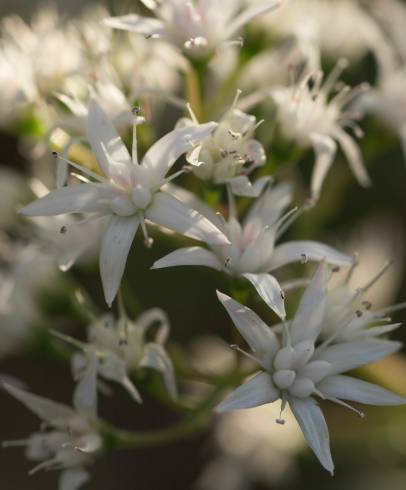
(47,410)
(325,149)
(85,394)
(73,479)
(147,26)
(270,291)
(155,357)
(106,144)
(350,355)
(115,246)
(114,369)
(307,322)
(304,249)
(169,212)
(257,334)
(242,186)
(248,14)
(255,392)
(164,153)
(354,157)
(73,199)
(189,256)
(313,424)
(356,390)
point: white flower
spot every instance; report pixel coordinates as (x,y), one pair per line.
(68,440)
(309,116)
(349,316)
(196,27)
(118,348)
(230,153)
(129,193)
(296,367)
(252,252)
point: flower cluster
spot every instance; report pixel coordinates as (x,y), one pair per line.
(172,128)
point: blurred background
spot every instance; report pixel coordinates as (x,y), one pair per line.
(246,450)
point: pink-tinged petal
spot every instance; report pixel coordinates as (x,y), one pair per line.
(189,256)
(73,199)
(242,186)
(313,424)
(146,26)
(307,250)
(258,335)
(169,212)
(270,291)
(259,390)
(347,356)
(325,149)
(115,247)
(356,390)
(309,316)
(354,157)
(248,14)
(108,147)
(47,410)
(73,479)
(164,153)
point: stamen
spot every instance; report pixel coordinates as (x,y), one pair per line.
(83,169)
(346,405)
(376,277)
(351,270)
(245,353)
(148,241)
(334,75)
(286,220)
(191,113)
(280,420)
(392,309)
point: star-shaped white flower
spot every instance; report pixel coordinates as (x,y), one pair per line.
(230,153)
(117,348)
(252,252)
(129,193)
(196,27)
(310,117)
(296,366)
(67,442)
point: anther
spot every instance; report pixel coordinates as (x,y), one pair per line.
(358,313)
(148,242)
(304,259)
(54,154)
(367,305)
(63,230)
(335,269)
(227,262)
(136,110)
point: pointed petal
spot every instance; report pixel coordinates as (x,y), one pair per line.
(354,157)
(242,186)
(169,212)
(47,410)
(115,246)
(189,256)
(73,479)
(155,357)
(146,26)
(248,14)
(305,249)
(313,424)
(356,390)
(307,322)
(164,153)
(350,355)
(106,144)
(257,334)
(259,390)
(270,291)
(73,199)
(325,149)
(85,394)
(113,368)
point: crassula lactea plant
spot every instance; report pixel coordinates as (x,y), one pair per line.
(143,130)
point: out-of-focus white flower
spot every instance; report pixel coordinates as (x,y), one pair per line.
(118,348)
(297,366)
(26,272)
(308,20)
(252,252)
(129,193)
(68,442)
(230,153)
(196,27)
(310,116)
